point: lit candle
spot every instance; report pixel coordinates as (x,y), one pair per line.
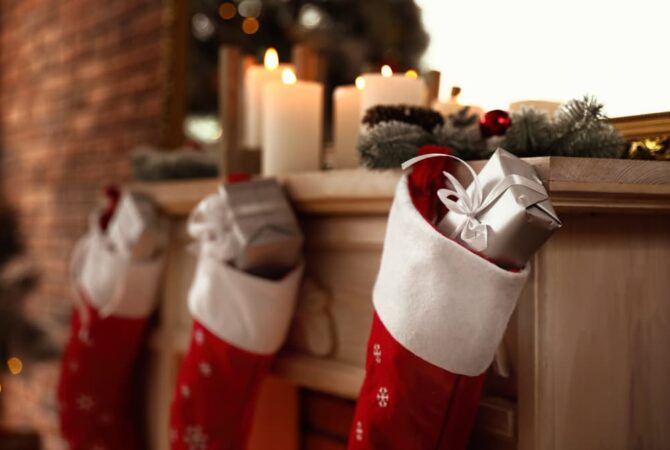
(255,78)
(541,105)
(454,105)
(389,89)
(347,106)
(292,125)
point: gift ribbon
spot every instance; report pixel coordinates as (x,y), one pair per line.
(471,230)
(210,224)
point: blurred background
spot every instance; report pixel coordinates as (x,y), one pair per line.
(83,83)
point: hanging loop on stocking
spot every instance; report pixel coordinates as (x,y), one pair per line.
(471,204)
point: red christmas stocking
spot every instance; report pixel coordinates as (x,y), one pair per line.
(440,312)
(116,294)
(240,321)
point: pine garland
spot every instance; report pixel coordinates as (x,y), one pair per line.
(530,133)
(415,115)
(150,164)
(579,128)
(389,144)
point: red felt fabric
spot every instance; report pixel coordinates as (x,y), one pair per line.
(215,394)
(407,403)
(424,181)
(95,388)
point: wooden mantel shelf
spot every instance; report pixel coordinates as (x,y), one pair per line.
(574,184)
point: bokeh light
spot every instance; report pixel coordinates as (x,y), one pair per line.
(15,365)
(227,11)
(288,77)
(250,25)
(360,83)
(250,8)
(202,27)
(271,59)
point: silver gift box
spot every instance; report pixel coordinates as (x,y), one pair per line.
(264,226)
(517,221)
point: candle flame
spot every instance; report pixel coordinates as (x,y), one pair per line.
(387,71)
(288,77)
(271,59)
(360,83)
(411,73)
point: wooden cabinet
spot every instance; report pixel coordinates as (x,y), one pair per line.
(587,346)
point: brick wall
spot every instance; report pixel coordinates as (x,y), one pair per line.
(80,85)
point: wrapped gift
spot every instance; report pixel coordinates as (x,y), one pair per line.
(505,214)
(135,226)
(250,225)
(264,226)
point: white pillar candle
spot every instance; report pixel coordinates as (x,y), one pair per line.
(541,105)
(255,79)
(347,107)
(292,125)
(452,107)
(389,89)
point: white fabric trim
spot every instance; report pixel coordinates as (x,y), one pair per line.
(249,312)
(442,302)
(113,282)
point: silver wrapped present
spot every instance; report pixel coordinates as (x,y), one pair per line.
(504,214)
(265,230)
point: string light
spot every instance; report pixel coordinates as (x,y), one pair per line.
(387,72)
(15,365)
(360,83)
(411,73)
(250,25)
(227,10)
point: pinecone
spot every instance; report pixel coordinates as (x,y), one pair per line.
(415,115)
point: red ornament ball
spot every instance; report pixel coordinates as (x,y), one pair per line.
(494,123)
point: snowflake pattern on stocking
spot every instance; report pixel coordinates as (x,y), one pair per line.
(205,369)
(195,438)
(377,353)
(383,397)
(199,337)
(106,419)
(185,391)
(359,431)
(85,403)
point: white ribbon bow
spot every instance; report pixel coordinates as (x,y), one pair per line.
(211,225)
(471,230)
